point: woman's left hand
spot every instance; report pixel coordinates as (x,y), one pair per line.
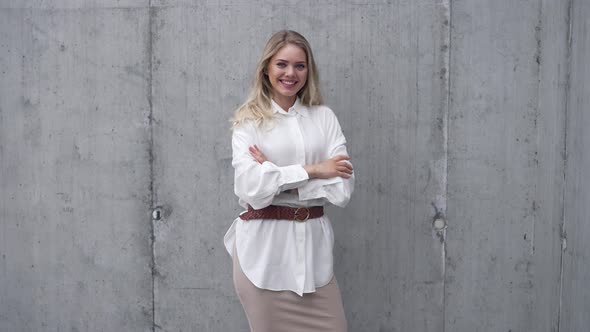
(257,154)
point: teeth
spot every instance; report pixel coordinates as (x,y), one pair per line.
(288,82)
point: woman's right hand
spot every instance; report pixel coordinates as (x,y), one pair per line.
(257,154)
(335,166)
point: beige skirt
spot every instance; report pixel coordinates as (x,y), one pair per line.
(285,311)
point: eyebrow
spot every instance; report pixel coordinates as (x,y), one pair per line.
(288,61)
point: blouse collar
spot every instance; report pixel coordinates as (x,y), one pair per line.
(297,108)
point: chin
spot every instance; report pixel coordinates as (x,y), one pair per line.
(291,93)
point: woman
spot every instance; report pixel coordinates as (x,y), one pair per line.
(290,159)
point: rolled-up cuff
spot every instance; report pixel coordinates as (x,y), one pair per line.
(315,188)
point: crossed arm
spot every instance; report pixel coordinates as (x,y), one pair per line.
(258,180)
(329,168)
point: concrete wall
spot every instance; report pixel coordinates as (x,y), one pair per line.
(576,222)
(74,170)
(473,112)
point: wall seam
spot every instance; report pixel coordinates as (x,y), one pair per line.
(151,157)
(563,234)
(538,35)
(446,143)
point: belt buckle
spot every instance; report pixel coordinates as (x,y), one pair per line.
(296,217)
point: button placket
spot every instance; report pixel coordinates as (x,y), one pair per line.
(301,146)
(300,227)
(300,248)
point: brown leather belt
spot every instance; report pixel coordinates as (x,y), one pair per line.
(283,212)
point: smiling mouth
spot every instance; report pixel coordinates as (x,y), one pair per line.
(288,83)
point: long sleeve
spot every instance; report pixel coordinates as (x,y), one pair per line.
(273,254)
(336,190)
(257,184)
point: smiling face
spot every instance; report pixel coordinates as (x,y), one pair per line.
(287,73)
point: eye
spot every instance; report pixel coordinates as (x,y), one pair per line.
(300,66)
(281,64)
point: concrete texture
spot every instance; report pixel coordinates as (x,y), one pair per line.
(576,218)
(191,103)
(471,112)
(74,171)
(506,134)
(199,76)
(388,257)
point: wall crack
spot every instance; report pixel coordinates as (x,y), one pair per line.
(563,234)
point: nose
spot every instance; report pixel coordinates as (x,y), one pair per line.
(290,71)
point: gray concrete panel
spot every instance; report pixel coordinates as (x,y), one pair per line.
(72,4)
(74,171)
(389,91)
(202,60)
(384,73)
(108,108)
(262,5)
(575,296)
(505,170)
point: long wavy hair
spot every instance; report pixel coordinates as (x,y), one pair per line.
(258,104)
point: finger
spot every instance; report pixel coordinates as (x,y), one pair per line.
(254,150)
(345,170)
(344,164)
(344,175)
(341,157)
(257,149)
(256,156)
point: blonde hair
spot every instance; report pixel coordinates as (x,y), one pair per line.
(258,104)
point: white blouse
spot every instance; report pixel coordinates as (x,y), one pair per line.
(282,254)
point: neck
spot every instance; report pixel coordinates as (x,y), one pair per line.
(285,102)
